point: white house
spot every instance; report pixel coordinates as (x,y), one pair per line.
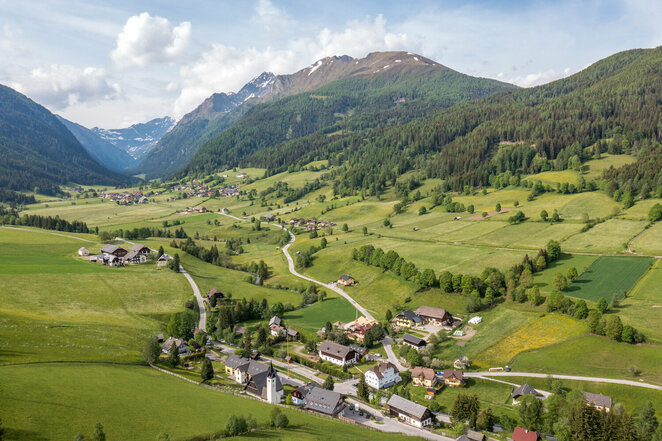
(337,353)
(475,320)
(409,412)
(382,376)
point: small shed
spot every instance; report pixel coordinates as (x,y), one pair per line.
(82,251)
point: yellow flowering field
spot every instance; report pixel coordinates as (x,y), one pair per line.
(543,331)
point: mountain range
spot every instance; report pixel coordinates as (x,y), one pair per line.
(39,153)
(401,77)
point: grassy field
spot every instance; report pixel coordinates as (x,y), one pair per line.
(555,177)
(594,356)
(595,167)
(105,315)
(55,402)
(544,279)
(643,307)
(544,331)
(650,241)
(608,237)
(608,276)
(315,316)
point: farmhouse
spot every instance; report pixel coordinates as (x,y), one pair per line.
(360,351)
(453,378)
(524,389)
(408,319)
(135,257)
(140,249)
(214,295)
(520,434)
(114,250)
(111,260)
(313,397)
(422,376)
(382,376)
(266,385)
(346,280)
(243,369)
(337,353)
(410,412)
(172,343)
(242,175)
(413,341)
(435,316)
(598,401)
(269,217)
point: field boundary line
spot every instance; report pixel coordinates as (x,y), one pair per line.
(47,232)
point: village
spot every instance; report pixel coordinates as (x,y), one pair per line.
(373,397)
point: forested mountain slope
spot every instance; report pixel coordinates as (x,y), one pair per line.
(38,151)
(522,131)
(380,90)
(105,153)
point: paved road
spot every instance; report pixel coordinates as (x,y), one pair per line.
(333,287)
(563,377)
(201,303)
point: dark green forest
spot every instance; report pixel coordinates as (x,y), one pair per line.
(549,127)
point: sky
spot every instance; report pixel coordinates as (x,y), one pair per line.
(113,64)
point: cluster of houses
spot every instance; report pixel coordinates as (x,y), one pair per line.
(127,198)
(202,190)
(310,224)
(191,210)
(115,255)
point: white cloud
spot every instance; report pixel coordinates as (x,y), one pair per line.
(224,68)
(269,15)
(536,78)
(59,86)
(145,40)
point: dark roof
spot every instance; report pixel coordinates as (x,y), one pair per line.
(322,400)
(356,348)
(408,407)
(597,399)
(346,277)
(335,349)
(524,389)
(411,316)
(412,339)
(257,385)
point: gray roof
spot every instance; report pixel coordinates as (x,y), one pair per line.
(345,277)
(258,383)
(597,399)
(406,406)
(110,249)
(412,339)
(274,320)
(255,368)
(411,315)
(357,348)
(138,247)
(234,361)
(471,436)
(524,389)
(131,254)
(322,400)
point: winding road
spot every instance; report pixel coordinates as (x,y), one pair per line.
(333,287)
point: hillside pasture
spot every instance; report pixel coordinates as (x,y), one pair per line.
(650,241)
(544,331)
(643,307)
(544,279)
(609,276)
(607,237)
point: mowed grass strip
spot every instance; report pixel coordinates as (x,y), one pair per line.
(313,317)
(546,330)
(608,276)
